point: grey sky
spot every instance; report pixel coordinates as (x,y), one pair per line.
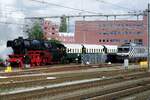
(13,11)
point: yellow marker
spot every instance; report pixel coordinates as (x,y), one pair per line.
(8,69)
(144,64)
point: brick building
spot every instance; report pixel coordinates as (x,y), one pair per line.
(111,32)
(51,31)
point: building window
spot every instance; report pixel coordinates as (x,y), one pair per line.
(126,32)
(100,40)
(138,32)
(107,40)
(53,28)
(104,33)
(138,41)
(53,33)
(103,40)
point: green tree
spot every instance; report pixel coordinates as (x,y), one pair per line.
(63,24)
(36,32)
(54,41)
(1,60)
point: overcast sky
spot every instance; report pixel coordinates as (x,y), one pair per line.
(13,11)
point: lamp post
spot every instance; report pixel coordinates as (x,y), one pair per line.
(148,24)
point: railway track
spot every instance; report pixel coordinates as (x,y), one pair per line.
(58,68)
(83,89)
(52,78)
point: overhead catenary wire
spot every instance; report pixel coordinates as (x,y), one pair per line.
(116,5)
(67,7)
(2,22)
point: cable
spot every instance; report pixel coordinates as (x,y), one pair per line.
(54,4)
(102,1)
(11,23)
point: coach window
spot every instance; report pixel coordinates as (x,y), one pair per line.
(67,50)
(98,50)
(92,50)
(86,50)
(109,50)
(70,50)
(112,50)
(80,50)
(53,28)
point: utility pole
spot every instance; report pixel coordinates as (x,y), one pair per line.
(148,24)
(68,24)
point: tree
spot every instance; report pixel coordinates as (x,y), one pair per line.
(1,60)
(54,41)
(36,32)
(63,24)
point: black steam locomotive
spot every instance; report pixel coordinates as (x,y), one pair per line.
(35,52)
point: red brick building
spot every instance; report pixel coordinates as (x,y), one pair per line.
(51,31)
(111,32)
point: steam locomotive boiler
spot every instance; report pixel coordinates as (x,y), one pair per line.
(35,52)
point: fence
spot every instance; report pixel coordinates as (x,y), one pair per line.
(93,58)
